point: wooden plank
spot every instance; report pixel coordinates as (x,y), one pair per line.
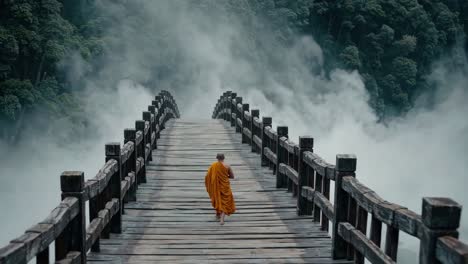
(211,259)
(270,155)
(172,220)
(361,243)
(451,250)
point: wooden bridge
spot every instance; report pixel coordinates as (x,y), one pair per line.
(148,203)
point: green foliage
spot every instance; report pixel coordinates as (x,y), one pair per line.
(9,107)
(393,42)
(406,45)
(405,70)
(350,57)
(9,49)
(23,90)
(35,42)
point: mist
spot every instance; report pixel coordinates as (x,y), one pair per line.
(199,49)
(30,171)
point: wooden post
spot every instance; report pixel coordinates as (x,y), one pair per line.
(245,108)
(226,105)
(318,189)
(296,168)
(306,143)
(361,225)
(157,115)
(253,129)
(391,242)
(310,176)
(233,109)
(376,231)
(140,126)
(147,117)
(129,136)
(326,193)
(266,121)
(220,106)
(95,205)
(72,185)
(225,108)
(161,110)
(113,152)
(345,166)
(152,110)
(440,217)
(271,145)
(238,114)
(158,99)
(352,215)
(282,131)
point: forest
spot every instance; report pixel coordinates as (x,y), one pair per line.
(37,41)
(392,44)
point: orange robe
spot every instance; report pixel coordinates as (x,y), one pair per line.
(218,187)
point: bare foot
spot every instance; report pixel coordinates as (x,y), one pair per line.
(221,222)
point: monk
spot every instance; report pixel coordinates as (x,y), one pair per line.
(218,187)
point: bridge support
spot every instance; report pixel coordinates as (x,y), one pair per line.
(233,107)
(440,217)
(73,238)
(238,113)
(147,118)
(130,136)
(245,108)
(154,126)
(280,156)
(306,143)
(266,122)
(345,166)
(255,114)
(113,152)
(140,126)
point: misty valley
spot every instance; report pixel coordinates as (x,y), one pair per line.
(342,121)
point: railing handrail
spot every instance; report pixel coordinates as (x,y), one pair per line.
(115,184)
(308,177)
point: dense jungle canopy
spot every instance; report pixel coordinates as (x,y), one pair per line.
(392,43)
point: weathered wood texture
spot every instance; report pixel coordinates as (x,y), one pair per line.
(173,221)
(115,184)
(308,177)
(148,202)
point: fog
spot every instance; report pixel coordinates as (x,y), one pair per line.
(199,52)
(30,171)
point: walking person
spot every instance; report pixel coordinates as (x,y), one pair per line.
(219,188)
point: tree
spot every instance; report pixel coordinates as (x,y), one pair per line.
(350,57)
(386,35)
(405,70)
(406,45)
(394,93)
(9,107)
(34,39)
(9,49)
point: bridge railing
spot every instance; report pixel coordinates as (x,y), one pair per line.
(114,185)
(308,177)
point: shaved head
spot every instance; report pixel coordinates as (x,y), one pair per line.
(220,156)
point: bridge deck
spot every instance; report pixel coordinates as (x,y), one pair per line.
(173,222)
